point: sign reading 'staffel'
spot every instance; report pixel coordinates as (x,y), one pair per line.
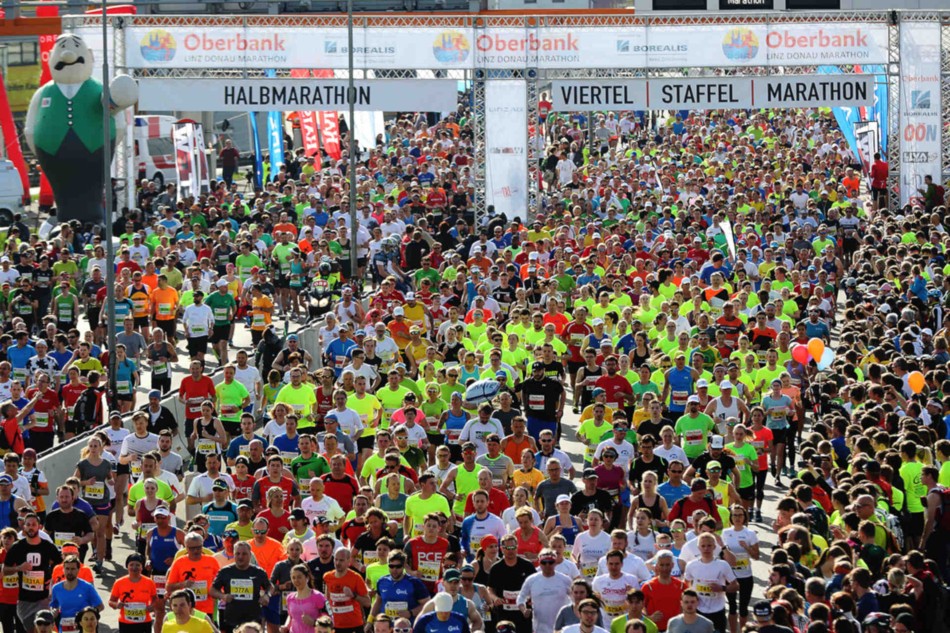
(702,93)
(248,95)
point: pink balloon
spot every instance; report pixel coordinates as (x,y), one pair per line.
(801,354)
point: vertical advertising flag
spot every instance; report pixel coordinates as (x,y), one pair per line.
(506,147)
(258,156)
(329,123)
(920,106)
(309,133)
(275,135)
(183,137)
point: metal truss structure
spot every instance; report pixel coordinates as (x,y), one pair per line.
(537,79)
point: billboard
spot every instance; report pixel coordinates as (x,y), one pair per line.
(920,121)
(636,46)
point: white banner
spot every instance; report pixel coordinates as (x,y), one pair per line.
(716,45)
(920,106)
(314,95)
(296,47)
(506,147)
(702,93)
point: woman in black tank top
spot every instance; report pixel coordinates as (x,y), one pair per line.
(586,390)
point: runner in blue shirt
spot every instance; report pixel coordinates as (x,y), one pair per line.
(443,619)
(72,595)
(399,595)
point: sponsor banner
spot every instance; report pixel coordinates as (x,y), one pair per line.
(506,146)
(289,47)
(307,120)
(329,124)
(189,153)
(248,95)
(694,93)
(716,45)
(920,106)
(275,135)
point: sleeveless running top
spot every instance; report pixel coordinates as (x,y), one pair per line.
(723,412)
(162,548)
(513,449)
(530,546)
(569,533)
(453,426)
(681,386)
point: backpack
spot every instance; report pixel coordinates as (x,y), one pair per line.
(943,512)
(819,521)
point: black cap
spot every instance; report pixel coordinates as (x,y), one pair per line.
(762,609)
(298,514)
(44,616)
(536,365)
(590,473)
(245,503)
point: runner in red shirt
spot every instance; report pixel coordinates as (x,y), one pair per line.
(194,389)
(275,479)
(47,415)
(426,552)
(243,482)
(618,390)
(575,336)
(70,392)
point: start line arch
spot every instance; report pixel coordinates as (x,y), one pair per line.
(509,59)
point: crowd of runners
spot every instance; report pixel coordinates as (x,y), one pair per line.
(719,306)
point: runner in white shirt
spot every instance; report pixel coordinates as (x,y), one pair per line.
(743,543)
(711,578)
(591,545)
(319,505)
(632,563)
(348,419)
(548,590)
(249,376)
(612,587)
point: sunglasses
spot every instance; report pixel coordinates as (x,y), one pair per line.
(510,547)
(260,531)
(547,562)
(395,566)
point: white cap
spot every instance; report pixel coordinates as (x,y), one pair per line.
(927,331)
(725,384)
(702,382)
(532,255)
(561,498)
(222,283)
(716,441)
(692,399)
(597,321)
(397,311)
(410,296)
(443,602)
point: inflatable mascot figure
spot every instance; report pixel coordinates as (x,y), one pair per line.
(64,129)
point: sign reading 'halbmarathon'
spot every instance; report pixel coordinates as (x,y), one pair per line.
(702,93)
(250,95)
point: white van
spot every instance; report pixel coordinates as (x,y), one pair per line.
(154,149)
(11,192)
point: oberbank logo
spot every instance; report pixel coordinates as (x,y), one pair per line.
(740,44)
(498,43)
(451,47)
(158,45)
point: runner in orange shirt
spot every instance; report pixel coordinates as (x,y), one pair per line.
(195,571)
(267,551)
(346,594)
(134,595)
(164,308)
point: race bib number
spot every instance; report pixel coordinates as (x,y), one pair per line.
(221,314)
(33,581)
(341,604)
(11,582)
(704,590)
(206,447)
(589,570)
(283,600)
(145,529)
(679,398)
(123,387)
(614,609)
(258,320)
(41,420)
(159,585)
(198,330)
(160,368)
(68,624)
(138,305)
(429,573)
(742,563)
(395,609)
(135,468)
(135,612)
(62,537)
(165,309)
(536,402)
(242,589)
(694,438)
(200,589)
(96,491)
(228,409)
(370,557)
(511,600)
(287,457)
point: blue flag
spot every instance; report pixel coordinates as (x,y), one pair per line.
(275,135)
(258,157)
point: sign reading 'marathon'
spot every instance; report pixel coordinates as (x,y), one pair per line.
(248,95)
(703,93)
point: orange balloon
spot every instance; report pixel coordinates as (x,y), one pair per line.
(816,347)
(916,381)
